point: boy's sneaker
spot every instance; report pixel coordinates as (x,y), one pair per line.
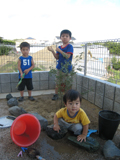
(31,98)
(21,99)
(55,97)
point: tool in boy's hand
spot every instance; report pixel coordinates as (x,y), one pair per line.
(34,153)
(91,131)
(20,80)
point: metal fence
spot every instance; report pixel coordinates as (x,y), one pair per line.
(99,59)
(102,60)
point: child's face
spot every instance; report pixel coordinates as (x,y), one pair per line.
(65,38)
(73,106)
(25,51)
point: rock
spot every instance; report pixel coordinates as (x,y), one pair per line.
(110,151)
(90,145)
(42,120)
(8,96)
(12,102)
(16,111)
(54,134)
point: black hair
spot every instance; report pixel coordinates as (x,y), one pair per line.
(65,31)
(24,44)
(71,95)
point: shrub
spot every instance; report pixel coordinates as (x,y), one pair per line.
(113,47)
(9,42)
(4,50)
(64,81)
(114,60)
(116,66)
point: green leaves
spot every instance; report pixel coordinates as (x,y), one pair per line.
(4,50)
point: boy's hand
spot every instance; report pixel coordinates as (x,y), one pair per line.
(26,71)
(81,138)
(56,127)
(21,74)
(50,48)
(58,50)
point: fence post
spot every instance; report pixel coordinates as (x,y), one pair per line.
(85,60)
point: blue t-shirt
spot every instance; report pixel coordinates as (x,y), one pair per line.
(25,64)
(62,60)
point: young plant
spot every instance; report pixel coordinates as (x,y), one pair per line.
(64,78)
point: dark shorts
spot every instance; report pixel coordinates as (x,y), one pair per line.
(27,83)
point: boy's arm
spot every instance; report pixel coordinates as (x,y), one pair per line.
(19,67)
(56,126)
(55,55)
(53,52)
(66,55)
(32,66)
(82,136)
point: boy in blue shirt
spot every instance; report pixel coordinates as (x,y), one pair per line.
(25,65)
(64,53)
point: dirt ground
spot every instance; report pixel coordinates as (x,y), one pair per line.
(51,149)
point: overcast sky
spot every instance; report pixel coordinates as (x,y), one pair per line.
(44,19)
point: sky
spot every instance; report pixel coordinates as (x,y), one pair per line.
(88,20)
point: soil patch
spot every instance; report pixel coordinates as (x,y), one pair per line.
(51,149)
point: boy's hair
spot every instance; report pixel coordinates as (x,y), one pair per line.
(24,44)
(71,95)
(65,31)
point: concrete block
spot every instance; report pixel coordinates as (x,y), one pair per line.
(74,79)
(43,85)
(5,78)
(13,87)
(99,100)
(92,85)
(100,88)
(91,97)
(14,77)
(0,88)
(74,86)
(79,89)
(85,82)
(36,86)
(51,84)
(51,77)
(117,107)
(108,104)
(0,78)
(109,91)
(84,93)
(117,95)
(79,79)
(44,76)
(5,88)
(35,76)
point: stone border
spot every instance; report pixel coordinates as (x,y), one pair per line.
(103,94)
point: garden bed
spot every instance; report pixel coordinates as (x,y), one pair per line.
(51,149)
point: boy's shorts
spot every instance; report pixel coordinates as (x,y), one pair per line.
(27,83)
(76,128)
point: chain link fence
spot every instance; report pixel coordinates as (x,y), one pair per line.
(99,59)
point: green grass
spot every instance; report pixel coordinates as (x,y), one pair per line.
(116,76)
(12,67)
(36,69)
(9,67)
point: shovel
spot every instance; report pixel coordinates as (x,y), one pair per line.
(20,80)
